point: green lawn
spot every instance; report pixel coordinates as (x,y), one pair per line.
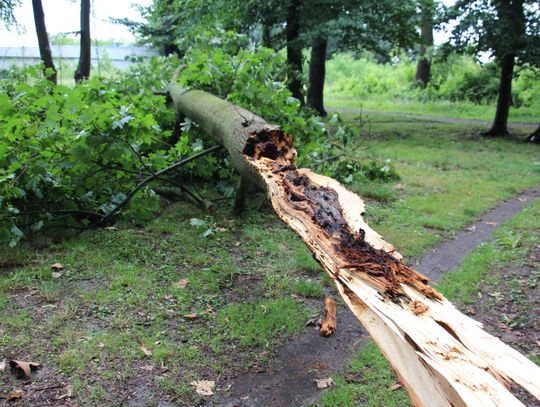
(210,298)
(443,108)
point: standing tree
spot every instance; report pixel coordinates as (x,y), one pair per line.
(317,71)
(83,68)
(43,40)
(506,29)
(294,49)
(352,25)
(423,67)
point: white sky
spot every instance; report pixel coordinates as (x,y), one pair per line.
(62,16)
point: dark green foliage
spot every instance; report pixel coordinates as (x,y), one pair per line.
(223,63)
(347,170)
(58,148)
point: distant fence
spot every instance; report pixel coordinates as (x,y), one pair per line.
(117,56)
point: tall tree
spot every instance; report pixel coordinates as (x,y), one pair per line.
(509,31)
(317,71)
(423,66)
(85,61)
(352,25)
(43,40)
(294,49)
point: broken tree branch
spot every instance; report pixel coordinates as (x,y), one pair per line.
(442,357)
(152,177)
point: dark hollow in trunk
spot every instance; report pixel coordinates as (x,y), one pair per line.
(317,71)
(294,50)
(83,68)
(499,127)
(43,39)
(423,68)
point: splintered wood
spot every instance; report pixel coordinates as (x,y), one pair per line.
(328,325)
(442,357)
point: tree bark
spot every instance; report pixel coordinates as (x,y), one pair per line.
(423,67)
(266,35)
(227,124)
(43,40)
(317,71)
(442,357)
(85,57)
(535,136)
(294,50)
(504,99)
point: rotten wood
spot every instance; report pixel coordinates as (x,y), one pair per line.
(442,357)
(328,325)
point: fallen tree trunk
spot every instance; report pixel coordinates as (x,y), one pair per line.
(442,357)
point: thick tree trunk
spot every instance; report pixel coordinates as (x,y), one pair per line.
(227,124)
(504,99)
(535,136)
(442,357)
(43,39)
(85,61)
(423,67)
(294,50)
(317,71)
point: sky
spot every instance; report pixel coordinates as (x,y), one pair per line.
(62,16)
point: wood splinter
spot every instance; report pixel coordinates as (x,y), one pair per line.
(328,326)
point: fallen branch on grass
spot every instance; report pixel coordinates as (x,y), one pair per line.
(153,177)
(328,325)
(441,356)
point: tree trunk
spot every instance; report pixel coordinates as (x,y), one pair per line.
(317,65)
(85,61)
(441,356)
(294,50)
(43,40)
(266,35)
(423,67)
(535,136)
(499,127)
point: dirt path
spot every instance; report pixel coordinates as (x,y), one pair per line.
(432,119)
(289,381)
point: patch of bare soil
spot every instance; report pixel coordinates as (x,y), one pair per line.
(47,387)
(289,379)
(508,305)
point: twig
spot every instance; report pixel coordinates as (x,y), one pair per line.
(328,159)
(54,386)
(151,178)
(62,211)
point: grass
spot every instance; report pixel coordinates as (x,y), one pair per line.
(210,307)
(443,108)
(369,381)
(512,243)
